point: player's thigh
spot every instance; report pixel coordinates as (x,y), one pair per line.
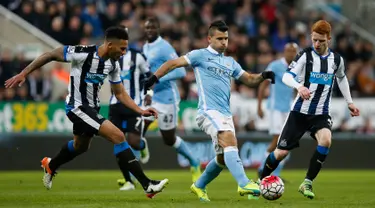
(168,115)
(227,139)
(294,128)
(321,129)
(212,122)
(86,121)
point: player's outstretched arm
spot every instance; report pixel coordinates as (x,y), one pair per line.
(124,98)
(253,80)
(164,69)
(54,55)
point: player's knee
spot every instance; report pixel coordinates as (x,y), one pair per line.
(324,137)
(325,142)
(134,141)
(280,154)
(117,137)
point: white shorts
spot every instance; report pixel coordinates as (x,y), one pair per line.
(212,122)
(277,120)
(168,115)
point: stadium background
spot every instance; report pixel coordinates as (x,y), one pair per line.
(32,118)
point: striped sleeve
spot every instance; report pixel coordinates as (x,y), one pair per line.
(297,64)
(114,75)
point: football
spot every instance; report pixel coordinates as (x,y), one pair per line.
(271,187)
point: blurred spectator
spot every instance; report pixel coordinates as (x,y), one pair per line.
(91,17)
(6,65)
(41,19)
(57,30)
(40,85)
(74,31)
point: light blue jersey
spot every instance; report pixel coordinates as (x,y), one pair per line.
(280,94)
(213,72)
(157,53)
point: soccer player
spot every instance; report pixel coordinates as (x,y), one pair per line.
(134,69)
(316,68)
(279,99)
(213,71)
(166,97)
(90,66)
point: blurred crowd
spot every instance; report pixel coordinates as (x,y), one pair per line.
(258,31)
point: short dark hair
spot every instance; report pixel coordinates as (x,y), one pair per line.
(217,25)
(118,32)
(153,19)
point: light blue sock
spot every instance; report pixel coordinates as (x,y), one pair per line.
(183,149)
(234,164)
(213,169)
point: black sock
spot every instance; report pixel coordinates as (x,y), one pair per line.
(316,162)
(270,165)
(127,162)
(66,154)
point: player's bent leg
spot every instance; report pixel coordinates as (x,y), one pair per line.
(272,161)
(68,152)
(170,139)
(126,159)
(228,141)
(323,136)
(271,147)
(213,169)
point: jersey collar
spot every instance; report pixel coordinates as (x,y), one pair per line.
(155,41)
(211,50)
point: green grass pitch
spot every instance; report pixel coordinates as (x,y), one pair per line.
(333,188)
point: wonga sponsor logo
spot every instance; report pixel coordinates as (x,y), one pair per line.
(321,78)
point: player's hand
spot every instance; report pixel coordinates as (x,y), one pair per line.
(148,100)
(150,82)
(304,92)
(18,79)
(269,75)
(260,112)
(150,112)
(354,111)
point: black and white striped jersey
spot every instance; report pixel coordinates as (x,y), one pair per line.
(317,73)
(87,75)
(134,70)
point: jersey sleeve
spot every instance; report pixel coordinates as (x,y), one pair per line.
(77,53)
(238,71)
(193,57)
(341,69)
(143,64)
(297,64)
(114,75)
(69,53)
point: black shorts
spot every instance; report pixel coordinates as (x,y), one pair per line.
(297,124)
(125,119)
(86,120)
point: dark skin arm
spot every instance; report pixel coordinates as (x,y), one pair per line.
(54,55)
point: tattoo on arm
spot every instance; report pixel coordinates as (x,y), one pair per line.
(54,55)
